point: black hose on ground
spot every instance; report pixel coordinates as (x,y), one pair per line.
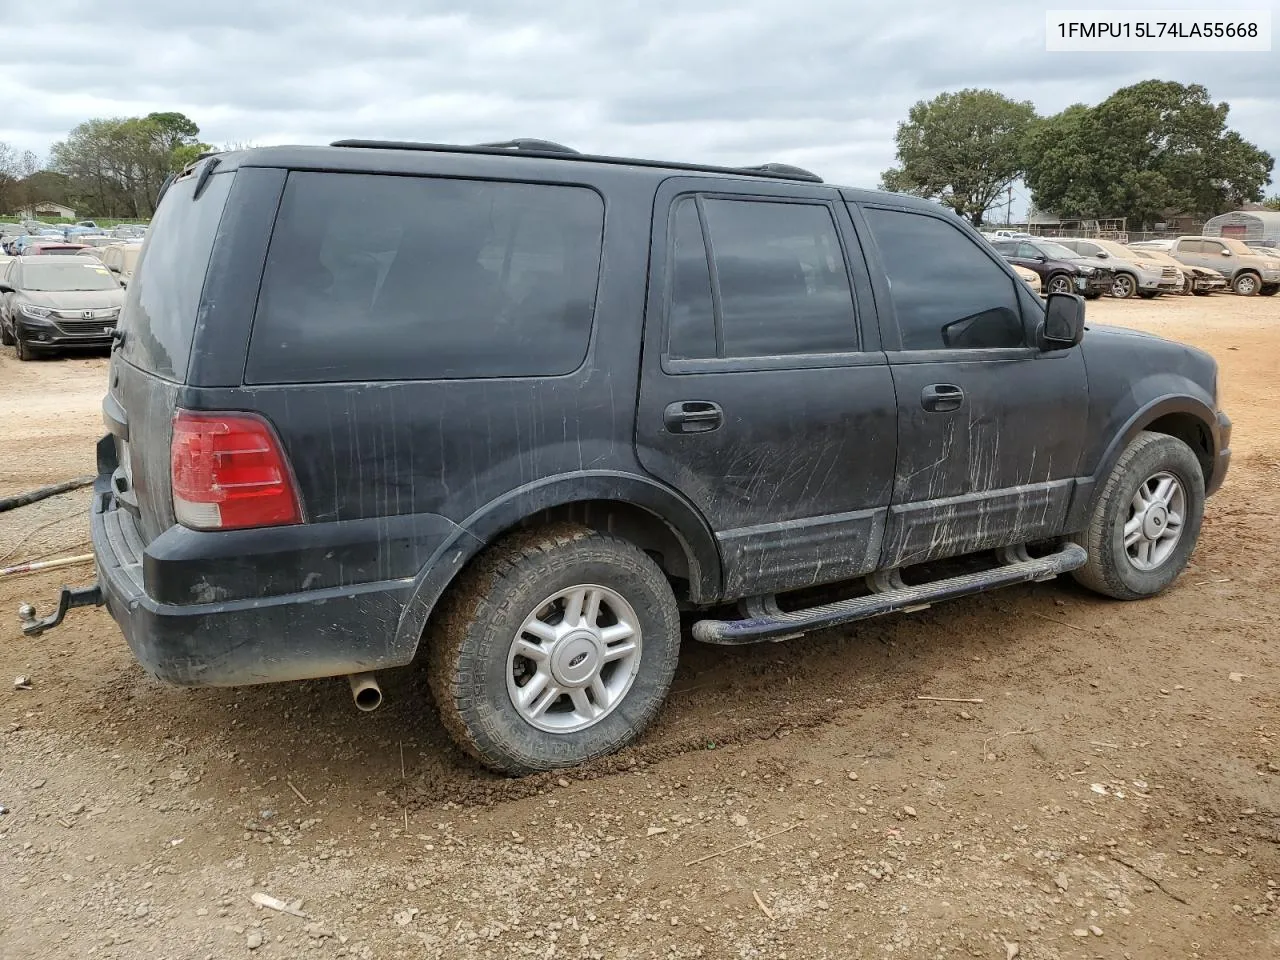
(34,496)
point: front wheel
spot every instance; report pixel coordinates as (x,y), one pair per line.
(1269,291)
(557,646)
(1146,521)
(6,338)
(1246,284)
(1123,286)
(1059,283)
(22,349)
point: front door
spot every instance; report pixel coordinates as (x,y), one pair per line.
(763,399)
(990,428)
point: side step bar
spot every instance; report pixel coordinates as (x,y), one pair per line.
(780,625)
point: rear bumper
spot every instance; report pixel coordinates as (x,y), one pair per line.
(330,631)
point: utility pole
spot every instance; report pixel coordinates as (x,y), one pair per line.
(1008,209)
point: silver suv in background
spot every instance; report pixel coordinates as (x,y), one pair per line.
(49,303)
(1134,275)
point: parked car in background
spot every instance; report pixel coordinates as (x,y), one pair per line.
(1134,276)
(1248,271)
(128,231)
(120,259)
(96,240)
(1200,281)
(1030,277)
(50,303)
(1061,270)
(53,248)
(87,223)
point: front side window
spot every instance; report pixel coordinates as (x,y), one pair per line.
(414,278)
(954,296)
(779,286)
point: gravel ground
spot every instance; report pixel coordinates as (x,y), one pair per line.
(1115,794)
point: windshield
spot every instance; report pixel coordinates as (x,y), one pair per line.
(66,275)
(1057,251)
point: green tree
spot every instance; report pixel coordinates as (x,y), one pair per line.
(963,149)
(1272,203)
(1147,150)
(15,167)
(120,163)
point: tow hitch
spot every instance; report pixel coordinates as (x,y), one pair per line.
(79,597)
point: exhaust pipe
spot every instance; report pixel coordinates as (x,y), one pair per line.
(365,691)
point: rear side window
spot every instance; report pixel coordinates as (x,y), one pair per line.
(163,298)
(411,278)
(947,292)
(779,288)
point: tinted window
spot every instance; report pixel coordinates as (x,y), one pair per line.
(162,301)
(1006,248)
(784,289)
(691,324)
(1191,246)
(1028,251)
(955,297)
(410,278)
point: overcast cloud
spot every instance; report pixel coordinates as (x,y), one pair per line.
(821,84)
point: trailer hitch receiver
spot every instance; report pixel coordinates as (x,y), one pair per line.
(79,597)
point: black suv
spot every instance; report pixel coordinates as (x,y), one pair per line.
(554,400)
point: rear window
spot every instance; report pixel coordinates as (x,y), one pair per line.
(159,315)
(411,278)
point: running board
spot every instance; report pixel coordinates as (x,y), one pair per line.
(782,626)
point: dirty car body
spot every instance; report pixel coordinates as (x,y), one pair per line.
(739,381)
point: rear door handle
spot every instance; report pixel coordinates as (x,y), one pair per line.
(692,416)
(941,397)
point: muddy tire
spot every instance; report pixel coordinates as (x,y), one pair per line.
(6,338)
(1269,291)
(1124,286)
(557,645)
(23,351)
(1145,520)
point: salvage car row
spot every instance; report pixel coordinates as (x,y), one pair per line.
(1186,265)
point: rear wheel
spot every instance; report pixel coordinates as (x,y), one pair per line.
(558,646)
(1146,520)
(1246,284)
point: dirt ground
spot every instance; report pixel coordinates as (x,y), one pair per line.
(1115,794)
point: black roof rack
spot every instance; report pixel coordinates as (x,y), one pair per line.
(528,143)
(555,151)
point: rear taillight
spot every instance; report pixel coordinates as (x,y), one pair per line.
(229,472)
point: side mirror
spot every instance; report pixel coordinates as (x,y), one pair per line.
(1226,253)
(5,288)
(1102,255)
(1063,325)
(113,268)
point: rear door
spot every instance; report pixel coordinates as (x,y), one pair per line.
(149,366)
(990,428)
(765,398)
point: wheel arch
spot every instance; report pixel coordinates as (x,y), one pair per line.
(635,508)
(1188,418)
